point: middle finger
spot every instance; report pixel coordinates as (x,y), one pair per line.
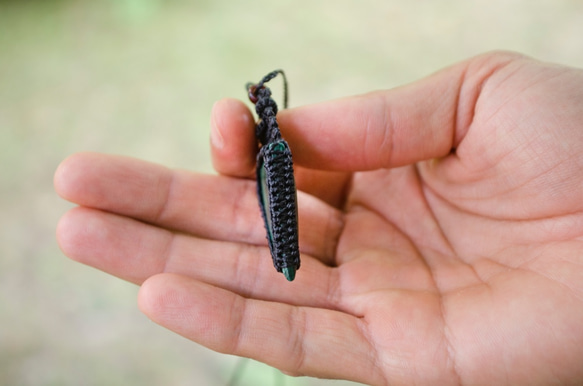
(135,251)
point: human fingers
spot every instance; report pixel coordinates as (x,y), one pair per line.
(330,187)
(233,143)
(234,150)
(297,340)
(134,251)
(214,207)
(419,121)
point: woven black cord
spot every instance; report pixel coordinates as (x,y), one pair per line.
(272,75)
(279,167)
(267,129)
(275,159)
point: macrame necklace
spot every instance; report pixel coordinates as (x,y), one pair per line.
(276,188)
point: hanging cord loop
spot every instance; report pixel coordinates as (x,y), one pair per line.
(266,129)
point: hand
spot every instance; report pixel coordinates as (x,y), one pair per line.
(441,229)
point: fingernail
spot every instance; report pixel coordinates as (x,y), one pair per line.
(217,139)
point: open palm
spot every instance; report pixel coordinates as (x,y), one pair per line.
(441,232)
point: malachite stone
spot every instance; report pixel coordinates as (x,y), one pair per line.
(289,273)
(265,201)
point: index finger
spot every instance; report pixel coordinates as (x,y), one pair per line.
(416,122)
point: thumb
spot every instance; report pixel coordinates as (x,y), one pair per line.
(420,121)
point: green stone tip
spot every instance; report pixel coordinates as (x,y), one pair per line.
(289,273)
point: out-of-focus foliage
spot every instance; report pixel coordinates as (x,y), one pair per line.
(138,77)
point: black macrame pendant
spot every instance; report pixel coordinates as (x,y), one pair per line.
(275,180)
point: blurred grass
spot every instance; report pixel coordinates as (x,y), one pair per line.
(138,77)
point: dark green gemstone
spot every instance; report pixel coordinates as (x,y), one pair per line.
(289,273)
(265,201)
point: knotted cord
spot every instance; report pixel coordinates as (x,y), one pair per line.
(275,179)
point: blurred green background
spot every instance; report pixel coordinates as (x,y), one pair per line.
(139,77)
